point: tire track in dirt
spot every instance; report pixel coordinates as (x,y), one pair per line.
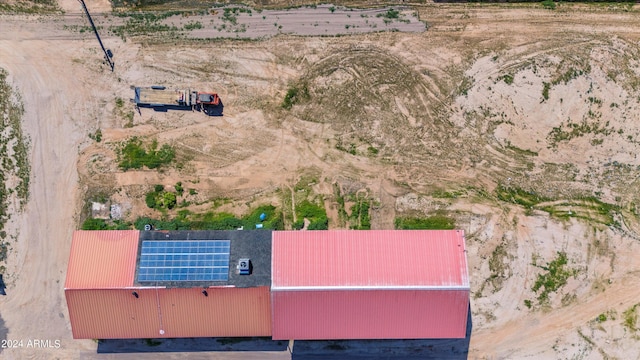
(34,307)
(537,330)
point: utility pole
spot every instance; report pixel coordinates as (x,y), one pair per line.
(107,53)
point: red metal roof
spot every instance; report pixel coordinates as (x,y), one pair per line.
(369,314)
(102,259)
(178,312)
(384,284)
(377,259)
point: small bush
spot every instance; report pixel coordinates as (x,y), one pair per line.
(390,14)
(528,303)
(273,218)
(545,90)
(94,224)
(179,188)
(549,4)
(360,219)
(321,223)
(298,225)
(435,222)
(193,25)
(158,188)
(185,220)
(631,318)
(169,200)
(101,224)
(508,79)
(555,277)
(295,95)
(150,200)
(314,213)
(134,155)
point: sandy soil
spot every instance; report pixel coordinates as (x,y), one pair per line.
(435,131)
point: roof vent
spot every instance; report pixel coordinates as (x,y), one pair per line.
(244,267)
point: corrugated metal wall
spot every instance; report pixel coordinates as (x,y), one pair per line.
(179,312)
(369,314)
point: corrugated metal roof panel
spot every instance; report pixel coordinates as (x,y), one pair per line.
(102,259)
(369,314)
(348,258)
(178,312)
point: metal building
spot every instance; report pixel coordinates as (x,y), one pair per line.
(383,284)
(302,285)
(131,284)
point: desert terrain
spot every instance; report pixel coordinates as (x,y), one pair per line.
(515,122)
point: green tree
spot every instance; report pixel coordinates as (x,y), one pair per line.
(169,200)
(150,199)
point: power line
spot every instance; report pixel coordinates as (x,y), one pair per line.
(107,53)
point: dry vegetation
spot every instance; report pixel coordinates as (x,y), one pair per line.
(514,123)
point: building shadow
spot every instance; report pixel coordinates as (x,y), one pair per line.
(111,346)
(445,349)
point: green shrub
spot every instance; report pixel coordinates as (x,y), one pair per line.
(273,219)
(169,200)
(185,220)
(133,155)
(555,277)
(360,219)
(179,188)
(158,188)
(519,196)
(310,210)
(193,25)
(150,199)
(631,318)
(98,135)
(4,251)
(549,4)
(298,225)
(101,224)
(390,14)
(435,222)
(94,224)
(321,223)
(528,303)
(508,79)
(295,95)
(545,90)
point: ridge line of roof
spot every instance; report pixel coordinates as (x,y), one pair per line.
(370,287)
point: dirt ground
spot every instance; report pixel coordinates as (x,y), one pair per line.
(421,122)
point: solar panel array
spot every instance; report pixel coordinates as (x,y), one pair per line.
(185,260)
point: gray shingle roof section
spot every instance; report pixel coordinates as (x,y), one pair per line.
(252,244)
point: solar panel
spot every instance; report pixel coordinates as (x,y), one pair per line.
(187,260)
